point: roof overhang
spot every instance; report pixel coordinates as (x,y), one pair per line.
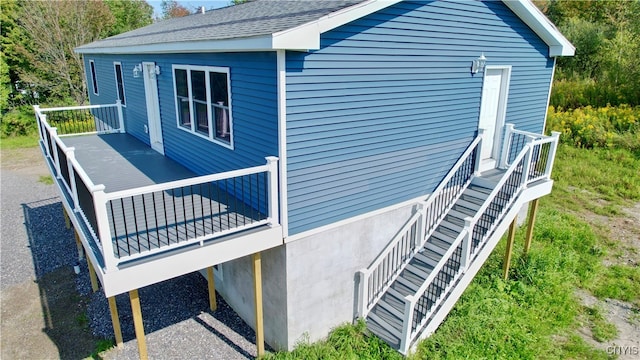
(307,36)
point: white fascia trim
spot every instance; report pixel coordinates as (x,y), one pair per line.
(546,111)
(538,22)
(307,36)
(282,139)
(350,220)
(260,43)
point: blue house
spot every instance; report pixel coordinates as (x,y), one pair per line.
(318,161)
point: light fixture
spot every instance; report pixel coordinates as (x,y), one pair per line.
(478,64)
(137,70)
(157,70)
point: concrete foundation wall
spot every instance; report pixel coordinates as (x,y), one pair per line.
(237,290)
(321,273)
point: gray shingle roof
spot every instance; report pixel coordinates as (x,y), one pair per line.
(256,18)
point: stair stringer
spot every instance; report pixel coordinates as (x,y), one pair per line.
(532,192)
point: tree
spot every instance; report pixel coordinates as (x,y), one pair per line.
(54,29)
(171,9)
(129,15)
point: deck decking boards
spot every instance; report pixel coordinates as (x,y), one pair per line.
(142,223)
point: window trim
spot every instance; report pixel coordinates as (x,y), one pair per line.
(210,117)
(94,77)
(123,101)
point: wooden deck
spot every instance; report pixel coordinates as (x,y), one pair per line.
(144,223)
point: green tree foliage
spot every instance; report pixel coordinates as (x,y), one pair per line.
(605,68)
(171,9)
(129,15)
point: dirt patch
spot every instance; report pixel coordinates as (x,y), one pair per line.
(626,320)
(45,319)
(25,161)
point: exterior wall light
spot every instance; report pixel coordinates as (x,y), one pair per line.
(137,70)
(478,64)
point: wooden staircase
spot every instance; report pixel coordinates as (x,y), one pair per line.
(408,290)
(386,318)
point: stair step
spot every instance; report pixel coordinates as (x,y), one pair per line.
(437,250)
(444,238)
(451,226)
(472,199)
(458,214)
(406,281)
(416,270)
(476,194)
(439,243)
(395,293)
(481,189)
(430,259)
(401,289)
(382,317)
(448,232)
(383,333)
(390,308)
(471,206)
(452,218)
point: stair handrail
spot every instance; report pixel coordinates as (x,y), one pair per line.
(364,304)
(411,300)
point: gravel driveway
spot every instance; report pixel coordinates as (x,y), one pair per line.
(35,243)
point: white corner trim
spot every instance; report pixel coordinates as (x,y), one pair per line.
(350,220)
(538,22)
(546,110)
(282,139)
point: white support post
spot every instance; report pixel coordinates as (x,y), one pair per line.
(54,148)
(421,231)
(405,339)
(72,178)
(36,110)
(526,168)
(103,231)
(466,243)
(272,163)
(120,116)
(478,160)
(363,293)
(506,145)
(552,154)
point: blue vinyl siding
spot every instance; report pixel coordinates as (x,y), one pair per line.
(381,112)
(253,98)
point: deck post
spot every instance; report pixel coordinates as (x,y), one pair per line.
(478,159)
(92,276)
(212,289)
(79,245)
(552,154)
(115,320)
(137,323)
(506,144)
(36,110)
(257,287)
(120,116)
(72,178)
(533,210)
(103,231)
(509,250)
(272,163)
(67,222)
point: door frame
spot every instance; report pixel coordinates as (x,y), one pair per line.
(501,114)
(153,106)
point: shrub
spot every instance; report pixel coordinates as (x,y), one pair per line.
(597,127)
(17,122)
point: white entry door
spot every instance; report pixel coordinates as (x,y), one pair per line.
(153,106)
(492,112)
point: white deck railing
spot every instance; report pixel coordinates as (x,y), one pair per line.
(533,162)
(134,223)
(376,279)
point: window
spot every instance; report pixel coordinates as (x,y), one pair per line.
(117,67)
(94,78)
(203,105)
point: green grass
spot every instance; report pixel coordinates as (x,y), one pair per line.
(18,142)
(601,329)
(101,346)
(45,179)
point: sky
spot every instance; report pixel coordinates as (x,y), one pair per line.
(208,4)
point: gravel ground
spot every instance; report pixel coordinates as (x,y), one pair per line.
(177,320)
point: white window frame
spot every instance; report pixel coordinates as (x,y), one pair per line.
(94,77)
(123,101)
(211,117)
